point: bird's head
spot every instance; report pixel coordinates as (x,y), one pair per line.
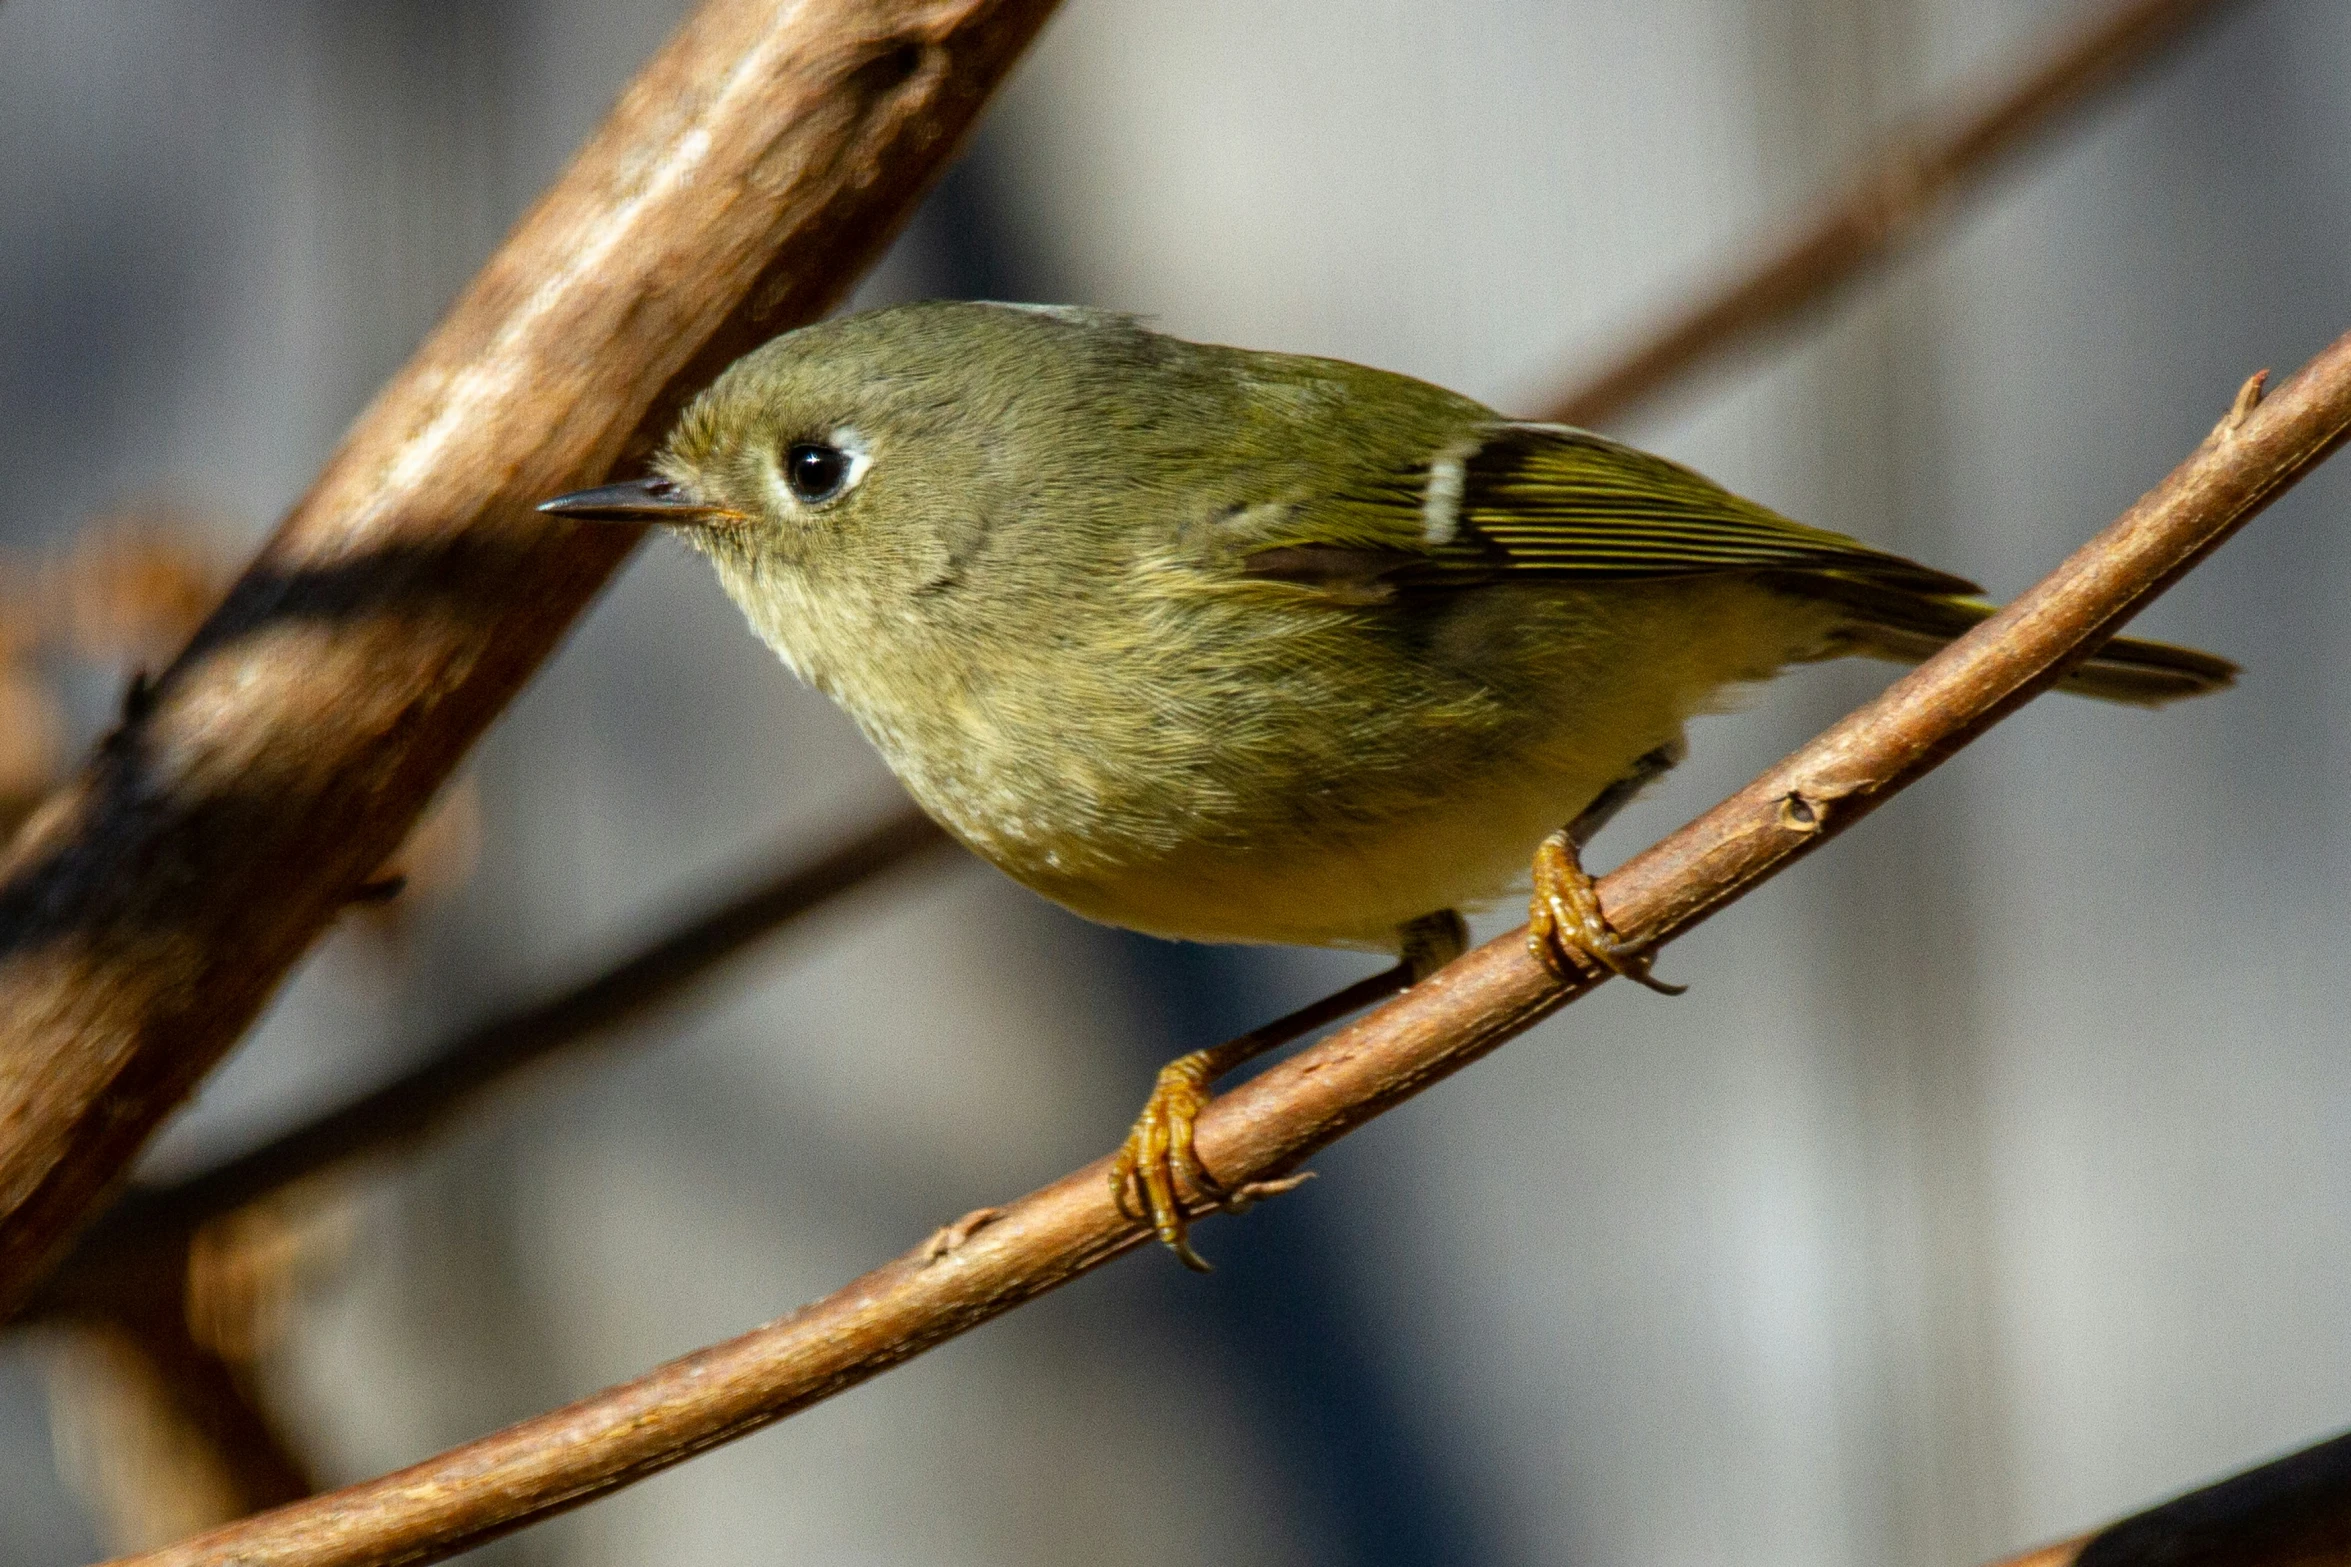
(844,476)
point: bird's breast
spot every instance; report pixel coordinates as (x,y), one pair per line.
(1245,767)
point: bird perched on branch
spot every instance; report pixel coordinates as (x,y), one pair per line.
(1242,646)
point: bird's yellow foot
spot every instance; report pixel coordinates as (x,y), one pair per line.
(1156,1164)
(1157,1159)
(1566,930)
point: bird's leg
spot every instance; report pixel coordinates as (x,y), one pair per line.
(1647,768)
(1427,944)
(1157,1163)
(1566,930)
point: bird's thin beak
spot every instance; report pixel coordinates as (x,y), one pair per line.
(653,499)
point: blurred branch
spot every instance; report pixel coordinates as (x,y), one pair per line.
(1000,1258)
(1915,180)
(155,1391)
(142,1243)
(2292,1512)
(148,911)
(157,1438)
(1889,208)
(131,588)
(162,1435)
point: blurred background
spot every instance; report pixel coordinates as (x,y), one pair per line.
(1990,1181)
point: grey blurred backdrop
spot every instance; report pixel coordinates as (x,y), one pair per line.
(1990,1181)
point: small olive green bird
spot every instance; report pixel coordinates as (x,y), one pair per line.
(1241,646)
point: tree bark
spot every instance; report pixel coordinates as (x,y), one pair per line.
(746,177)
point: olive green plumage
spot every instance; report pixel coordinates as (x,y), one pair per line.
(1250,646)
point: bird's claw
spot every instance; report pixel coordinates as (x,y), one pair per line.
(1158,1177)
(1158,1161)
(1566,930)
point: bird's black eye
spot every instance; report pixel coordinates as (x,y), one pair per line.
(815,471)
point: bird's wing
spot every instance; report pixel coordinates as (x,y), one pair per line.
(1510,501)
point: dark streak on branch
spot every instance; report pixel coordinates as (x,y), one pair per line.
(2294,1511)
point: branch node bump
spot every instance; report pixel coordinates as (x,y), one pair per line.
(950,1238)
(2248,398)
(1245,1197)
(1799,815)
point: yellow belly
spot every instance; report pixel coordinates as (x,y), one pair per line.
(1350,894)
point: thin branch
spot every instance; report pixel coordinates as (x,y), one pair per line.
(1272,1124)
(747,176)
(148,1232)
(1916,179)
(2294,1511)
(2031,107)
(153,1443)
(215,1404)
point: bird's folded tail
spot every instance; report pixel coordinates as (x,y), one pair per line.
(1908,627)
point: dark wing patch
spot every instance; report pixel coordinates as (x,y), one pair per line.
(1558,500)
(1547,500)
(1315,563)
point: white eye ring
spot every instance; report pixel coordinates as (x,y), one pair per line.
(854,446)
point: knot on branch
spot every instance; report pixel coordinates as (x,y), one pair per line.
(2249,396)
(1798,814)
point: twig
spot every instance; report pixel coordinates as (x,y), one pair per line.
(2030,108)
(2292,1512)
(154,1441)
(1272,1124)
(158,1385)
(1916,179)
(148,1231)
(214,1403)
(756,165)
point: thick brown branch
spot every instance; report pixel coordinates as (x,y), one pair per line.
(742,182)
(142,1242)
(1270,1125)
(1913,181)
